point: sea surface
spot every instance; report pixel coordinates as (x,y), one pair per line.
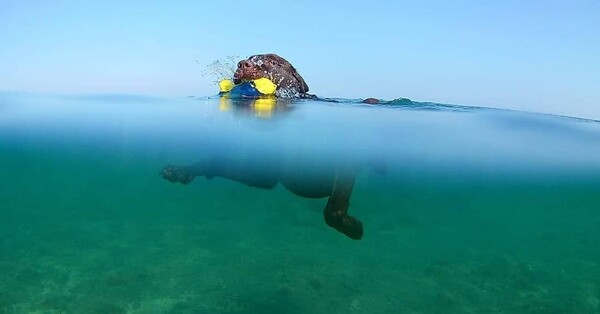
(464,209)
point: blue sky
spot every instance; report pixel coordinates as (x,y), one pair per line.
(531,55)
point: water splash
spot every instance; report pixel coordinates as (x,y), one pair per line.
(221,69)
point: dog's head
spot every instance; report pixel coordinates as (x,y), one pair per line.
(273,67)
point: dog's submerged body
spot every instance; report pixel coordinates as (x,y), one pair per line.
(333,179)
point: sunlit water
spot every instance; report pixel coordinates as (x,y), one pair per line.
(465,210)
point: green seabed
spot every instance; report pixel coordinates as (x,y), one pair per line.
(87,225)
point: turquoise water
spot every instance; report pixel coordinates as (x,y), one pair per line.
(465,210)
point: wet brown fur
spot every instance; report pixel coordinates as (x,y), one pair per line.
(273,67)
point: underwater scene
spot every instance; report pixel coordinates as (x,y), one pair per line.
(133,204)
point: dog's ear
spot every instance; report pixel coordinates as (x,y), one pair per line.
(293,72)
